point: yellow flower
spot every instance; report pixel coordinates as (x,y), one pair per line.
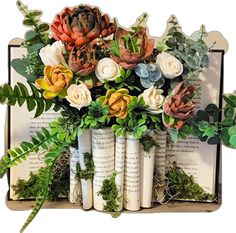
(56,80)
(118,102)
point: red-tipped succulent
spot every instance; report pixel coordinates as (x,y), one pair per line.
(81,25)
(132,47)
(178,106)
(82,61)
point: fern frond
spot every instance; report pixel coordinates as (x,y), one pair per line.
(20,95)
(17,155)
(46,177)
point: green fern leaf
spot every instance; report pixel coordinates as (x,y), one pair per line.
(20,95)
(46,177)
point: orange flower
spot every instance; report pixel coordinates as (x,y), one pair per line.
(56,80)
(118,102)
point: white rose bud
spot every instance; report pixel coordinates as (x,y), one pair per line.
(154,99)
(52,55)
(107,69)
(170,66)
(78,96)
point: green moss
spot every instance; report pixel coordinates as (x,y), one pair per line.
(109,193)
(148,143)
(59,186)
(90,168)
(183,187)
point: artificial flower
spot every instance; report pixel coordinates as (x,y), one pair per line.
(149,74)
(83,61)
(78,96)
(56,80)
(118,102)
(170,66)
(178,106)
(133,48)
(107,69)
(81,25)
(154,99)
(52,55)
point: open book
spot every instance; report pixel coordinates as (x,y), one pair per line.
(196,158)
(22,125)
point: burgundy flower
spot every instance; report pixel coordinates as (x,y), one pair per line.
(134,47)
(82,61)
(81,25)
(178,106)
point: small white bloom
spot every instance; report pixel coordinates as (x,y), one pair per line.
(52,55)
(107,69)
(170,66)
(154,99)
(78,96)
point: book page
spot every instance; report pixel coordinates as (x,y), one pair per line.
(23,126)
(193,156)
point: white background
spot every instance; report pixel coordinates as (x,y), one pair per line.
(216,15)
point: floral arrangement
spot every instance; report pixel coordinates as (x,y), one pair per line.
(98,75)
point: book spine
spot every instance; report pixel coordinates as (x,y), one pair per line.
(103,147)
(85,146)
(75,186)
(132,175)
(120,150)
(147,170)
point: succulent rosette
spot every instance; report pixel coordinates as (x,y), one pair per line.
(130,48)
(82,61)
(178,106)
(118,101)
(55,81)
(81,25)
(149,74)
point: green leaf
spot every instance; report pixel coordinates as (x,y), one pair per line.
(28,22)
(115,48)
(203,125)
(232,141)
(122,73)
(35,13)
(173,134)
(185,131)
(43,27)
(210,131)
(213,110)
(162,47)
(214,140)
(232,130)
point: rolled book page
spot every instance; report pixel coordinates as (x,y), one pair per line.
(103,148)
(147,168)
(132,175)
(119,167)
(85,146)
(75,195)
(159,167)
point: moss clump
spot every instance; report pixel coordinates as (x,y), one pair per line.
(59,186)
(181,186)
(148,143)
(109,193)
(88,173)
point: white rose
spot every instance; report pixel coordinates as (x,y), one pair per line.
(154,99)
(170,66)
(78,96)
(107,69)
(52,55)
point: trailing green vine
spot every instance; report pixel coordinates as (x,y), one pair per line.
(89,172)
(42,139)
(45,177)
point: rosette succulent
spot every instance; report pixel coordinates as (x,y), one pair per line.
(149,74)
(130,48)
(118,102)
(83,61)
(81,25)
(55,82)
(178,106)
